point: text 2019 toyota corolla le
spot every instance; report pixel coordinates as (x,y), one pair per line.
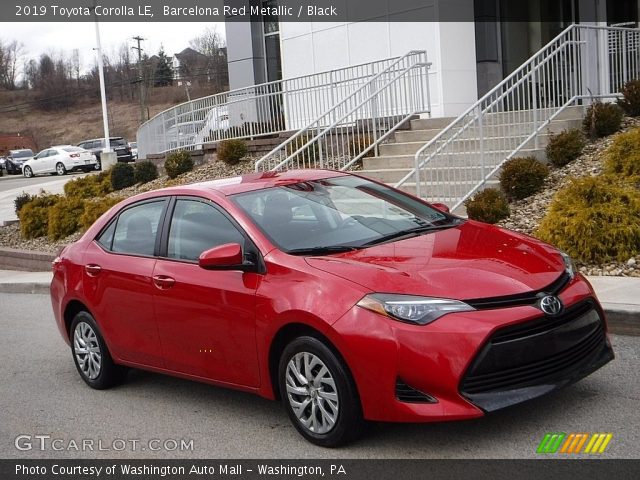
(347,299)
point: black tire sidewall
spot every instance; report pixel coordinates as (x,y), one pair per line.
(349,420)
(30,175)
(110,373)
(64,170)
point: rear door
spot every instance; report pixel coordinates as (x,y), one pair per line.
(118,279)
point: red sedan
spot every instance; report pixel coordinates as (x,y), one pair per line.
(345,298)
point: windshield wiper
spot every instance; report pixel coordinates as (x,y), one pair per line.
(410,232)
(323,250)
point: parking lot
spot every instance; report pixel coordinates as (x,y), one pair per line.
(42,394)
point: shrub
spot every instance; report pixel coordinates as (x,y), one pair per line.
(488,206)
(622,158)
(522,177)
(309,155)
(594,219)
(178,163)
(34,215)
(64,217)
(21,200)
(90,186)
(144,172)
(630,101)
(565,147)
(359,143)
(602,119)
(93,209)
(122,176)
(231,151)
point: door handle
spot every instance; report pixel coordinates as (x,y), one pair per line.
(163,282)
(92,269)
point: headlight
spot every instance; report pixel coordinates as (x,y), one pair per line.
(412,309)
(569,266)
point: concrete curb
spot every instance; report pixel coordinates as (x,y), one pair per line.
(622,319)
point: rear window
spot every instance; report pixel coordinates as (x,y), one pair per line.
(118,141)
(73,149)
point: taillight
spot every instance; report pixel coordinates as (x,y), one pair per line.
(74,155)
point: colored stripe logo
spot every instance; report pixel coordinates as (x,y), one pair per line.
(592,443)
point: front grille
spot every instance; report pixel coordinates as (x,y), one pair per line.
(408,394)
(538,356)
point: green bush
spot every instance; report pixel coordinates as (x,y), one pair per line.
(602,119)
(34,215)
(622,158)
(565,147)
(93,209)
(178,163)
(64,217)
(595,220)
(90,186)
(122,176)
(21,200)
(522,177)
(144,172)
(309,155)
(489,206)
(232,151)
(630,101)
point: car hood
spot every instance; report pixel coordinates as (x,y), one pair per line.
(472,260)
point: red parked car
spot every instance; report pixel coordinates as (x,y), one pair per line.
(347,299)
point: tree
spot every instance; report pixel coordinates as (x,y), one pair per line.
(9,56)
(164,72)
(211,44)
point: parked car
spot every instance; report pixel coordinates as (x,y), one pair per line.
(133,146)
(2,162)
(15,160)
(118,144)
(59,160)
(343,297)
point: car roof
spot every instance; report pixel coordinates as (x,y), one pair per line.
(256,181)
(101,138)
(21,150)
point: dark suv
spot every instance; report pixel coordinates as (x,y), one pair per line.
(118,145)
(15,159)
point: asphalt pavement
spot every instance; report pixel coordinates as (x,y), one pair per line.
(41,394)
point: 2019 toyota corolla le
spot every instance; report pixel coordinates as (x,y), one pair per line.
(347,299)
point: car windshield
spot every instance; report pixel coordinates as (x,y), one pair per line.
(22,154)
(73,149)
(338,214)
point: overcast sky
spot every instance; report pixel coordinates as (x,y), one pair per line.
(39,38)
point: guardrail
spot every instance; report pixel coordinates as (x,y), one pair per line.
(354,127)
(256,111)
(582,63)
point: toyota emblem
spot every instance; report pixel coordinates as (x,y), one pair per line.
(551,305)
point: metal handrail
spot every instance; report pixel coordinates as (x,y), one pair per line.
(558,74)
(336,133)
(259,110)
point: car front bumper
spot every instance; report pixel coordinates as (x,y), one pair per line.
(466,364)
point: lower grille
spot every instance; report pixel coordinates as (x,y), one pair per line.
(527,360)
(408,394)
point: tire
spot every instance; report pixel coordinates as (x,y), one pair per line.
(28,172)
(60,169)
(95,367)
(98,165)
(331,414)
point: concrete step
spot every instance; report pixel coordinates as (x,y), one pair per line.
(442,193)
(429,123)
(471,174)
(450,160)
(424,136)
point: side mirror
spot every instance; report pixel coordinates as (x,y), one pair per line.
(441,206)
(224,257)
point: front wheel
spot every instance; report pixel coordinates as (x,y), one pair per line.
(28,172)
(91,355)
(319,393)
(60,169)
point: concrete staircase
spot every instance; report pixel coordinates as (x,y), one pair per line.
(396,158)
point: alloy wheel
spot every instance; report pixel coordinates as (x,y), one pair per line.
(312,392)
(87,350)
(60,169)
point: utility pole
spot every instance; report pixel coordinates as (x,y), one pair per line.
(103,94)
(143,114)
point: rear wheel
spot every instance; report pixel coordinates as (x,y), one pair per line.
(91,355)
(318,393)
(28,172)
(60,169)
(98,165)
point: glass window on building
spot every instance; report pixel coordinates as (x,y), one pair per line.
(271,27)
